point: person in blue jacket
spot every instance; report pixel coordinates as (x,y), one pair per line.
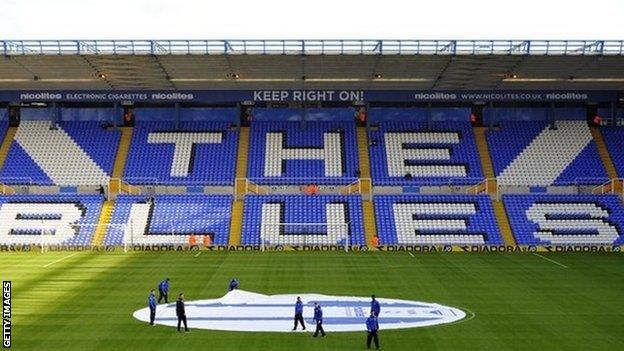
(233,284)
(163,290)
(151,301)
(299,313)
(372,327)
(318,318)
(375,307)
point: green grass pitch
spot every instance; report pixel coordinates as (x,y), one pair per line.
(520,301)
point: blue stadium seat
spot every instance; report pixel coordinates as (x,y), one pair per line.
(171,219)
(436,220)
(288,153)
(260,211)
(445,153)
(547,219)
(212,162)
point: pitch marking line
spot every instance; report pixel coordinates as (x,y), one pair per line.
(549,260)
(197,254)
(60,259)
(411,254)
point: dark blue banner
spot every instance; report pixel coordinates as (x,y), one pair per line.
(307,96)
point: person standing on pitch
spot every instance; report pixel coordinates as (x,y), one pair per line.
(151,301)
(318,318)
(163,290)
(299,313)
(372,326)
(180,312)
(375,307)
(233,284)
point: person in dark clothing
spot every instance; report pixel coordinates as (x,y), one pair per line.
(372,326)
(375,307)
(318,318)
(299,313)
(233,284)
(151,301)
(163,290)
(181,313)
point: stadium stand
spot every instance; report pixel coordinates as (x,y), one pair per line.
(614,139)
(68,219)
(411,153)
(198,153)
(533,154)
(65,154)
(327,217)
(546,219)
(169,219)
(436,219)
(289,152)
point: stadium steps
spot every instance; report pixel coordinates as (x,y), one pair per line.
(362,139)
(236,223)
(365,183)
(243,150)
(503,222)
(4,152)
(604,153)
(370,227)
(105,216)
(486,160)
(121,158)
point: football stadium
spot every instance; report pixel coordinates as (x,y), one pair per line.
(436,194)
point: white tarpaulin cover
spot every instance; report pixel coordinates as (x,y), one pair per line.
(241,310)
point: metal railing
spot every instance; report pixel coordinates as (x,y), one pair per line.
(612,186)
(589,181)
(313,47)
(6,190)
(264,186)
(487,185)
(118,186)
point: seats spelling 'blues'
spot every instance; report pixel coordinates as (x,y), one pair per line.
(410,153)
(614,138)
(199,153)
(67,154)
(435,220)
(290,152)
(565,219)
(534,154)
(63,219)
(169,219)
(302,219)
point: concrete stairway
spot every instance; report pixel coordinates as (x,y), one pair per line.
(370,227)
(105,216)
(236,223)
